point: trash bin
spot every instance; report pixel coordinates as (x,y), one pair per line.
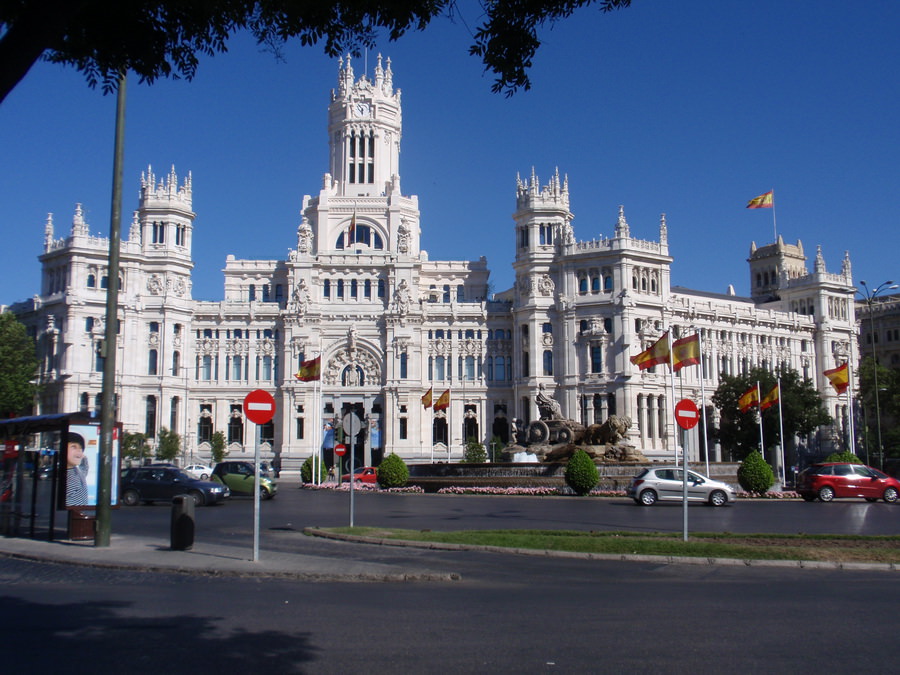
(81,525)
(182,522)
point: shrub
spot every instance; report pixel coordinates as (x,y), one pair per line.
(581,473)
(392,472)
(306,471)
(755,475)
(845,456)
(474,453)
(218,446)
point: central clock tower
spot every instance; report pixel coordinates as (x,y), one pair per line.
(364,124)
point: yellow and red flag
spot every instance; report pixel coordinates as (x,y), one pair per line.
(749,398)
(771,398)
(839,377)
(658,352)
(764,201)
(310,370)
(686,352)
(426,399)
(351,233)
(443,402)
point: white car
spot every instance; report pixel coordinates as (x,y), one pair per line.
(665,483)
(200,471)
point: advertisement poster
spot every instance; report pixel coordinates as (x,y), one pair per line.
(82,465)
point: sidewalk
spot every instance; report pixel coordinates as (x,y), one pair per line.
(145,554)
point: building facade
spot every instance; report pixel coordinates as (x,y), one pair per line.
(389,325)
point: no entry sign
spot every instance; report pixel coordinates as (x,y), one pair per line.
(686,413)
(340,449)
(259,406)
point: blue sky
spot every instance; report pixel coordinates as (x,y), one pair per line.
(683,107)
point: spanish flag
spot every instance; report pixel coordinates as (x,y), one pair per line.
(686,352)
(426,399)
(351,233)
(771,398)
(839,377)
(310,370)
(764,201)
(749,398)
(443,402)
(657,353)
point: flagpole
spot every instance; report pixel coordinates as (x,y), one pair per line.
(703,402)
(672,402)
(774,226)
(762,446)
(781,435)
(850,407)
(317,449)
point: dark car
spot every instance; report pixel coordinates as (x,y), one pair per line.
(161,483)
(829,480)
(240,477)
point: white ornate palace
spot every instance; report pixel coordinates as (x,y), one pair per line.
(390,324)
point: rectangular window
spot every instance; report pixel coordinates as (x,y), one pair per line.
(403,428)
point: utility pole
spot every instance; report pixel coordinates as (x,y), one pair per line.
(108,413)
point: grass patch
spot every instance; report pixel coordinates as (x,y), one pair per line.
(831,548)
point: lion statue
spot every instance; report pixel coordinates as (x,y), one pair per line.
(613,430)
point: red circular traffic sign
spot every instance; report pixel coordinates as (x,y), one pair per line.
(686,413)
(340,449)
(259,406)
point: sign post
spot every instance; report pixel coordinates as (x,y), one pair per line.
(686,415)
(352,425)
(259,408)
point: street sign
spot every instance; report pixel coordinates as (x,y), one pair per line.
(259,406)
(686,413)
(340,449)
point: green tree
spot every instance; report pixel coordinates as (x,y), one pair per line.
(134,446)
(474,452)
(392,472)
(739,432)
(306,471)
(18,367)
(165,38)
(754,475)
(218,446)
(888,409)
(169,445)
(581,473)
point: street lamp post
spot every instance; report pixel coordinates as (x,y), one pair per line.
(869,297)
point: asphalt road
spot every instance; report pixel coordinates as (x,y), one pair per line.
(508,613)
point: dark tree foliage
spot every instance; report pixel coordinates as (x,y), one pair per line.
(888,409)
(169,445)
(739,432)
(18,367)
(165,38)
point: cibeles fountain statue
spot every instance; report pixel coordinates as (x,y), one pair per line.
(554,438)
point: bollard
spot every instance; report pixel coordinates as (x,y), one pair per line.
(182,522)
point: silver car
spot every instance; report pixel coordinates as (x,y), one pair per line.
(666,483)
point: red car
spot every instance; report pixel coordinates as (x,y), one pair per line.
(843,479)
(363,474)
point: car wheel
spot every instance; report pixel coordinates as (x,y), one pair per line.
(648,498)
(826,494)
(264,493)
(130,497)
(197,496)
(890,495)
(204,476)
(718,498)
